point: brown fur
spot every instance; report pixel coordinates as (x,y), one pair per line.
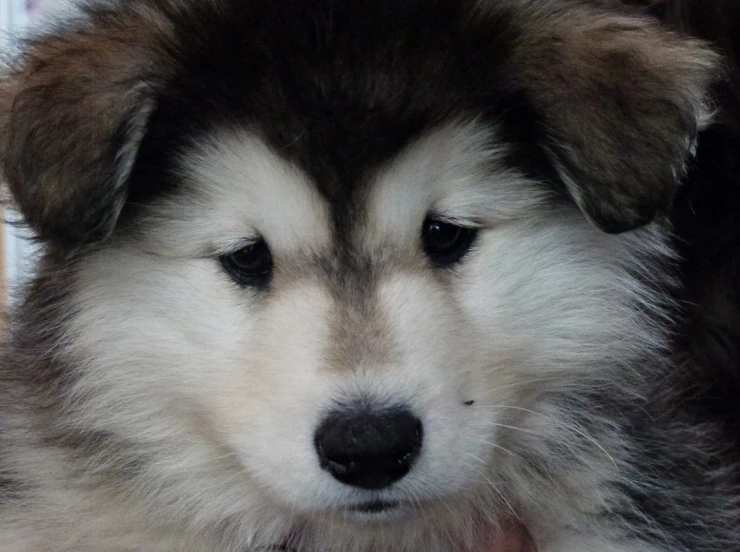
(620,99)
(68,107)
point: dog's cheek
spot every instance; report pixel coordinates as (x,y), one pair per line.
(273,402)
(557,299)
(503,288)
(174,326)
(240,372)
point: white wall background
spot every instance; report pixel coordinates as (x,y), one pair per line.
(50,7)
(14,19)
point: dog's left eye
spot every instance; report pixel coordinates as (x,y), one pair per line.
(445,243)
(249,266)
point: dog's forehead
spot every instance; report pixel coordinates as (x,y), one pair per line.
(237,186)
(339,100)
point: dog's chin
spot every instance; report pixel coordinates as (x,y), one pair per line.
(515,538)
(364,518)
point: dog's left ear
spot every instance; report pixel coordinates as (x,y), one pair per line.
(621,101)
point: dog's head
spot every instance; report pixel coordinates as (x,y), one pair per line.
(340,264)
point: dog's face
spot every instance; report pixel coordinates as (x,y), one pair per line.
(336,287)
(383,366)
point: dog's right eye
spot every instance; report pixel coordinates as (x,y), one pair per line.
(445,243)
(250,266)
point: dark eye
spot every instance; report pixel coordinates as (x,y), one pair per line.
(445,243)
(249,266)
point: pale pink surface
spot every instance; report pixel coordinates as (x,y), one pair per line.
(514,539)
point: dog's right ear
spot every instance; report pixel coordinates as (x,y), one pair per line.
(73,111)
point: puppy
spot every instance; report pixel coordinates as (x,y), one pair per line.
(366,276)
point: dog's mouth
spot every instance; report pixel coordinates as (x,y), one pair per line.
(375,507)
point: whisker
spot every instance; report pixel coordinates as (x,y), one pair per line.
(494,487)
(495,445)
(575,429)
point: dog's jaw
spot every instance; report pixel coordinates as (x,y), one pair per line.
(513,537)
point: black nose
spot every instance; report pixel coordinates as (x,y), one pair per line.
(369,449)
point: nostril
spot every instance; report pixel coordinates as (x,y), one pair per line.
(369,449)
